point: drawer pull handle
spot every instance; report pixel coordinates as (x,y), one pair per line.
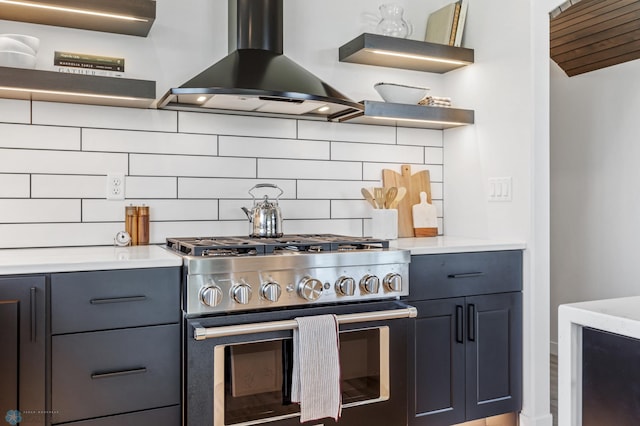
(118,373)
(34,312)
(118,300)
(465,275)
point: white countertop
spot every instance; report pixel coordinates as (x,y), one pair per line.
(620,316)
(450,244)
(66,259)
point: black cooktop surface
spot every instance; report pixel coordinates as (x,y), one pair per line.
(248,246)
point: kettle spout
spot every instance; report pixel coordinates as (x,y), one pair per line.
(247,212)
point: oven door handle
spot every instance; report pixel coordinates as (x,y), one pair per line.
(202,333)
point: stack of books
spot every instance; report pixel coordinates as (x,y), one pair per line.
(81,63)
(445,25)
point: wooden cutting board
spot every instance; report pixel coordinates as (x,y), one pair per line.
(414,184)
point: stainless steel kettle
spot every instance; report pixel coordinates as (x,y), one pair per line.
(265,216)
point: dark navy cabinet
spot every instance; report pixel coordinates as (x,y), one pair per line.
(115,347)
(23,354)
(466,353)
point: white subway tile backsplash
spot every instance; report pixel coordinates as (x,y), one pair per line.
(373,153)
(33,210)
(233,146)
(329,131)
(352,227)
(61,162)
(191,165)
(39,137)
(373,171)
(148,142)
(104,117)
(232,188)
(15,111)
(159,210)
(422,137)
(68,186)
(291,209)
(237,125)
(348,209)
(151,187)
(58,234)
(433,155)
(328,189)
(308,169)
(14,186)
(193,170)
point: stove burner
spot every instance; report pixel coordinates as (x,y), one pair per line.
(247,246)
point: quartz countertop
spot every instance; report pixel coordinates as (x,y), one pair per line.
(450,244)
(66,259)
(620,316)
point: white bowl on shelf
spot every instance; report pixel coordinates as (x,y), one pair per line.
(32,42)
(17,59)
(401,93)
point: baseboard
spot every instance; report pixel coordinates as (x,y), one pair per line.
(553,347)
(546,420)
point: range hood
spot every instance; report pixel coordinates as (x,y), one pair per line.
(256,77)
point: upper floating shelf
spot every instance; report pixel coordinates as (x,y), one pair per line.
(130,17)
(38,85)
(405,115)
(394,52)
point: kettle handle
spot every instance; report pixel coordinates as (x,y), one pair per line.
(266,185)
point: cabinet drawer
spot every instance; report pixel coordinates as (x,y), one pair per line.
(167,416)
(102,300)
(437,276)
(116,371)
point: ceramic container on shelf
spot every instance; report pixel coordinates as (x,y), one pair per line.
(400,93)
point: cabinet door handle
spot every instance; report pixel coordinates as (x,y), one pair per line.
(118,373)
(34,313)
(471,318)
(465,275)
(459,324)
(118,300)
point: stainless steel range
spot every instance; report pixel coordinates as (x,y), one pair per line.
(235,273)
(240,296)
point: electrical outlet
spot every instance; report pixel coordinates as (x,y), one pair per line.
(500,189)
(115,186)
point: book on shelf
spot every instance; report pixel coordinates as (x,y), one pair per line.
(87,71)
(445,25)
(82,60)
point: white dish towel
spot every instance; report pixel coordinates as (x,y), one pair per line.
(316,368)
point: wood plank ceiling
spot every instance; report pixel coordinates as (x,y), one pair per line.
(593,34)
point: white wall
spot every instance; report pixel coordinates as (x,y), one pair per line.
(595,177)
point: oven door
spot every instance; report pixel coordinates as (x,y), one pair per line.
(239,373)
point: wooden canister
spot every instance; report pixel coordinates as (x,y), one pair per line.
(143,225)
(131,223)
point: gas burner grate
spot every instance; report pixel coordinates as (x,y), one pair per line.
(296,243)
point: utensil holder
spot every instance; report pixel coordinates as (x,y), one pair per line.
(384,224)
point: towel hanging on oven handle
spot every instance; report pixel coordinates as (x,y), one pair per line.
(202,333)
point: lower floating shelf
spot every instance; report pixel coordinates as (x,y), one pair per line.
(405,115)
(39,85)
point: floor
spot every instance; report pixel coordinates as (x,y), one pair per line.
(554,388)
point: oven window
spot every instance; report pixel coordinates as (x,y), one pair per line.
(256,376)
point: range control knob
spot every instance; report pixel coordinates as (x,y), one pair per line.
(211,295)
(392,282)
(346,286)
(310,288)
(370,284)
(241,293)
(271,291)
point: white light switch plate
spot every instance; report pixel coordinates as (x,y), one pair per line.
(500,188)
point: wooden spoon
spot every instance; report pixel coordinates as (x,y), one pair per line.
(369,197)
(389,196)
(402,191)
(378,194)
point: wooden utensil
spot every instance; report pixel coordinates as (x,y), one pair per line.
(389,196)
(378,194)
(402,191)
(369,197)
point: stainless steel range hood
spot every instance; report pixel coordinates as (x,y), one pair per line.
(256,78)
